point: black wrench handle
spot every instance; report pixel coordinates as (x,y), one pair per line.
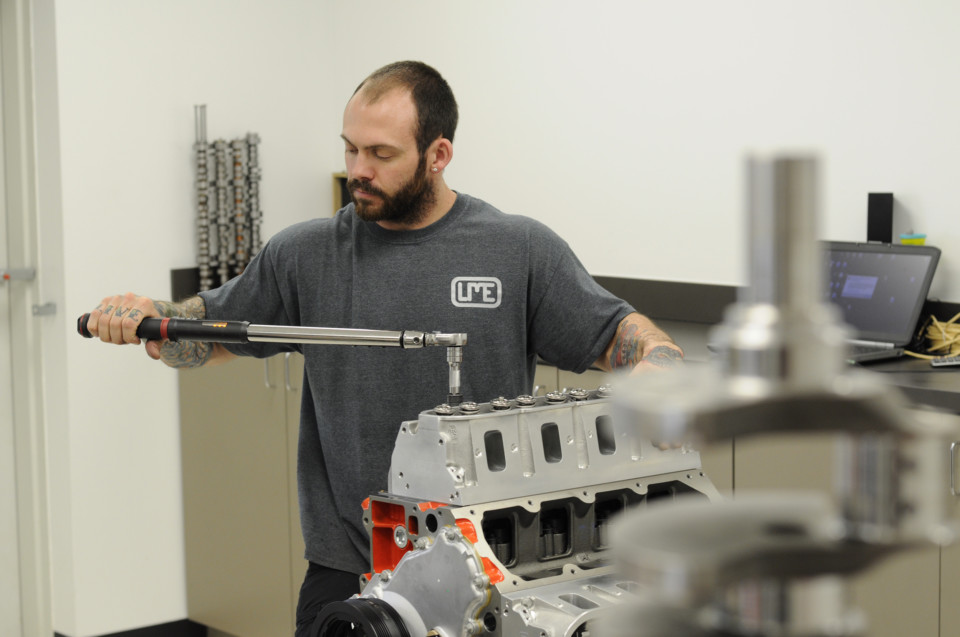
(180,329)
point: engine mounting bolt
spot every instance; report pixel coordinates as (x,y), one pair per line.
(422,543)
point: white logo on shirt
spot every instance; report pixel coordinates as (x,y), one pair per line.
(476,291)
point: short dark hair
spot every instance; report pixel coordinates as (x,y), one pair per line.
(436,107)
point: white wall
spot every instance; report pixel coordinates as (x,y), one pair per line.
(129,76)
(623,125)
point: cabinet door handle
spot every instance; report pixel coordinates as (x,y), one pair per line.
(953,468)
(266,374)
(286,372)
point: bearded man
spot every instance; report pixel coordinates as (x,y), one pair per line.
(407,252)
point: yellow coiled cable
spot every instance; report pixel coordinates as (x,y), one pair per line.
(943,338)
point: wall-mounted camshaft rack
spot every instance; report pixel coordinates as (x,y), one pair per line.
(228,203)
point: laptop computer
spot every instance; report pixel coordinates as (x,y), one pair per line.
(880,289)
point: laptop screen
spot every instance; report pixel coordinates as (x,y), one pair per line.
(880,288)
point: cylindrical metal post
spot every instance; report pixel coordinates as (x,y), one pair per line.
(782,332)
(784,254)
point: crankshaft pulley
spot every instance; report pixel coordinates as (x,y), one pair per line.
(359,617)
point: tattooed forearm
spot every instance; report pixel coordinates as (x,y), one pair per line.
(663,356)
(192,308)
(627,349)
(185,353)
(638,343)
(117,320)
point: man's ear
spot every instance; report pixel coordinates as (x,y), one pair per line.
(440,154)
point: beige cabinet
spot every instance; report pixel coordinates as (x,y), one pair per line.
(950,591)
(950,584)
(293,386)
(244,552)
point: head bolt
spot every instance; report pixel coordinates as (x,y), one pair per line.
(469,407)
(526,400)
(500,403)
(556,397)
(443,410)
(579,394)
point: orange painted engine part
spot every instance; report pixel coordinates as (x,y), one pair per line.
(385,518)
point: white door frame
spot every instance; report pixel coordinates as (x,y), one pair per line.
(10,605)
(20,204)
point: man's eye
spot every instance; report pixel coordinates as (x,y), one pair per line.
(351,151)
(382,155)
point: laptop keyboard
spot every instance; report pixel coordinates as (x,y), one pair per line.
(868,349)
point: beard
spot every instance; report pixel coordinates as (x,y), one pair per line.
(408,206)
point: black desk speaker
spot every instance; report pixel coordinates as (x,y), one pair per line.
(880,217)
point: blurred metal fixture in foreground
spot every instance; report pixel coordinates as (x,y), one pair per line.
(778,566)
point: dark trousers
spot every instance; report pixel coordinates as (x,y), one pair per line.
(322,585)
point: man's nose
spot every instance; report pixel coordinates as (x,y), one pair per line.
(362,168)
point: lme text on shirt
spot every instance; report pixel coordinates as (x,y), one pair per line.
(476,291)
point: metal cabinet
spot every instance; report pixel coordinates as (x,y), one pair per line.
(244,550)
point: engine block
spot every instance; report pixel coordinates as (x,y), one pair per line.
(496,515)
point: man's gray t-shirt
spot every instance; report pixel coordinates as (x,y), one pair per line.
(512,285)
